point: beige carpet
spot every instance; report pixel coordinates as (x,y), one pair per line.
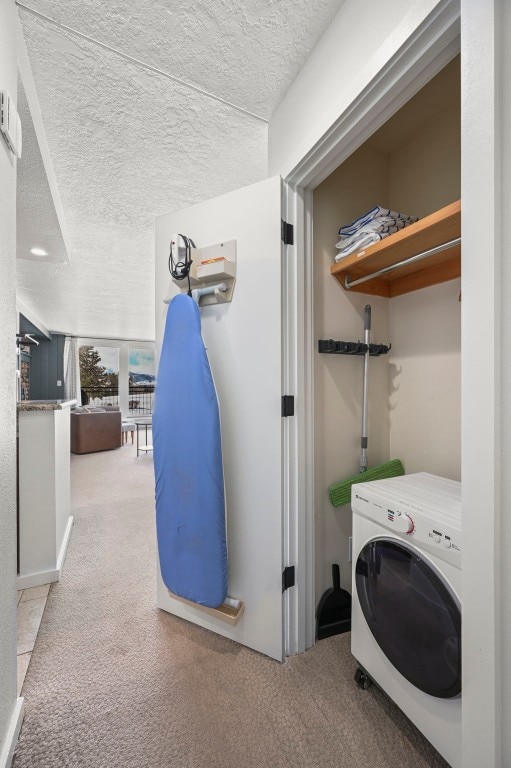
(115,683)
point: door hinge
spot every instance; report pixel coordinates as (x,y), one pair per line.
(288,577)
(288,405)
(287,233)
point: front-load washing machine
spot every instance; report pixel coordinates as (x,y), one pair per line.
(406,621)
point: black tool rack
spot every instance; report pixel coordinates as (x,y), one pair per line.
(331,347)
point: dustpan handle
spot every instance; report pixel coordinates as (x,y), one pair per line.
(365,394)
(336,576)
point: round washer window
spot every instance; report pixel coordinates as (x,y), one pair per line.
(413,616)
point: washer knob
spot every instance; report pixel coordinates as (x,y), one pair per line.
(436,538)
(447,544)
(404,523)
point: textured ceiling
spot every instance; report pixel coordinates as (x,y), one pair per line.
(129,144)
(246,52)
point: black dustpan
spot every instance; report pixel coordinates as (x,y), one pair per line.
(333,614)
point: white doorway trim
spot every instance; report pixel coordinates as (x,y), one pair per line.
(485,422)
(433,44)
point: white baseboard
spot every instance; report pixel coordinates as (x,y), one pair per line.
(27,580)
(63,548)
(36,579)
(13,732)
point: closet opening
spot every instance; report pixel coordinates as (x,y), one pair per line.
(410,165)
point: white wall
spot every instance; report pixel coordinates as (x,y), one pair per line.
(339,315)
(362,38)
(424,378)
(425,326)
(8,80)
(424,173)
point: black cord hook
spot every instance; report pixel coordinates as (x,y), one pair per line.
(181,269)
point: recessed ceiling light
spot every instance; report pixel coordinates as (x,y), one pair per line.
(39,252)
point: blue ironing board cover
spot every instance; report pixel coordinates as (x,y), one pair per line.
(190,506)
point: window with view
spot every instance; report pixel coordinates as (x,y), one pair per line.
(99,375)
(141,366)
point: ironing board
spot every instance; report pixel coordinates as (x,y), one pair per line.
(190,507)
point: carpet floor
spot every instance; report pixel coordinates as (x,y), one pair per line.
(116,683)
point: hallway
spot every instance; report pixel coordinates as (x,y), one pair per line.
(115,683)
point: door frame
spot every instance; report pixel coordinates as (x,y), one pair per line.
(431,46)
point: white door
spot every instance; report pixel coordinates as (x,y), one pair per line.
(243,339)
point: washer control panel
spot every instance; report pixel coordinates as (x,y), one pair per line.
(401,521)
(428,522)
(444,539)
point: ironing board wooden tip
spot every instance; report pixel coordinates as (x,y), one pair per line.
(224,612)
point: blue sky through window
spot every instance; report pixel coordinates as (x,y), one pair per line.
(141,364)
(109,358)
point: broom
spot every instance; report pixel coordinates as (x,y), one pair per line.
(340,493)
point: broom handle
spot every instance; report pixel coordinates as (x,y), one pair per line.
(365,396)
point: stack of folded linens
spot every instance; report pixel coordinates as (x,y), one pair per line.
(373,226)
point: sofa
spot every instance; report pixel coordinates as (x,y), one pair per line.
(95,429)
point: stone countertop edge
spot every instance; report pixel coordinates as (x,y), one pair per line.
(44,405)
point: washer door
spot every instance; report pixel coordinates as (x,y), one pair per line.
(412,614)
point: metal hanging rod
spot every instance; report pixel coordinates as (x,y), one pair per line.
(418,257)
(208,290)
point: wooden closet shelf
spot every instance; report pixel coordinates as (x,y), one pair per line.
(424,235)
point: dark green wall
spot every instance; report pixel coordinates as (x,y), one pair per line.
(46,368)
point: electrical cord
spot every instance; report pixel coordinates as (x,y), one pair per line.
(181,269)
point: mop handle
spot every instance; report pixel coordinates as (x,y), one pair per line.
(365,395)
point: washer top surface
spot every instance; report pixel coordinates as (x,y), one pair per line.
(434,497)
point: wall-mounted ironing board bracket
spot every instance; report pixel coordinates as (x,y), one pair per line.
(230,611)
(212,275)
(331,347)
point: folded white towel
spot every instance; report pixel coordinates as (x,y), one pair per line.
(360,243)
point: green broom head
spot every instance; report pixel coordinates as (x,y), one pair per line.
(340,493)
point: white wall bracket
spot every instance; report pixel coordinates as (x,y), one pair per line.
(212,275)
